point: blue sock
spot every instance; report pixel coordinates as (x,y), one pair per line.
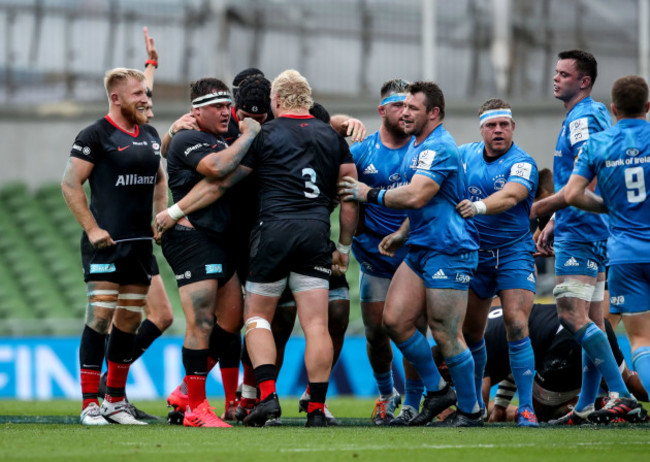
(590,383)
(461,369)
(413,393)
(641,363)
(384,382)
(479,353)
(594,342)
(522,365)
(417,351)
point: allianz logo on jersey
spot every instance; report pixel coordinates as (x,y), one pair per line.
(96,268)
(194,148)
(618,300)
(131,179)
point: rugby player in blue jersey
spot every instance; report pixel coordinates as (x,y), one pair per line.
(619,158)
(378,159)
(434,277)
(580,237)
(502,182)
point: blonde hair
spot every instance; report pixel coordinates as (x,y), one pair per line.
(120,75)
(293,90)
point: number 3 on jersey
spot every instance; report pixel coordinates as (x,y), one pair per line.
(311,190)
(635,184)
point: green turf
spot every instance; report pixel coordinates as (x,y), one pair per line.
(356,440)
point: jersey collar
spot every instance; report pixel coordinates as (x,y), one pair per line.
(134,134)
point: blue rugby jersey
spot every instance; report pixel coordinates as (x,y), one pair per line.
(486,178)
(582,121)
(379,167)
(437,225)
(620,159)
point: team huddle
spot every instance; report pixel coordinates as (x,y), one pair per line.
(442,234)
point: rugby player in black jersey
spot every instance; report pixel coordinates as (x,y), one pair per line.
(157,309)
(120,159)
(558,364)
(198,248)
(297,160)
(252,99)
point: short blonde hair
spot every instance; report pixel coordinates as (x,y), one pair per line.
(120,75)
(293,90)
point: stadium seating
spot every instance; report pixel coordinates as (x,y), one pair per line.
(41,282)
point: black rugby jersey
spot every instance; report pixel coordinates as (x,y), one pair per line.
(123,177)
(296,160)
(543,326)
(186,150)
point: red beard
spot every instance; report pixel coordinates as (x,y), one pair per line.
(130,113)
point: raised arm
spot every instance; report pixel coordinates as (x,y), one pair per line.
(151,64)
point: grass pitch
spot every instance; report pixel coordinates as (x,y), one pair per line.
(50,431)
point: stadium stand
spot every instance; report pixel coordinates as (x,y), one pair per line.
(41,287)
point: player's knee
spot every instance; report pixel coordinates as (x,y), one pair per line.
(572,288)
(567,323)
(256,322)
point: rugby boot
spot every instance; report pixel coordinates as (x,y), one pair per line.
(385,408)
(526,417)
(203,416)
(118,413)
(460,419)
(269,408)
(619,409)
(406,414)
(316,418)
(91,415)
(434,403)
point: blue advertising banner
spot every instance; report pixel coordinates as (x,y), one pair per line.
(43,368)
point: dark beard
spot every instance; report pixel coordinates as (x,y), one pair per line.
(130,113)
(396,130)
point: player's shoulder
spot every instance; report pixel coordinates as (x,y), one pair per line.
(369,143)
(471,149)
(149,130)
(518,155)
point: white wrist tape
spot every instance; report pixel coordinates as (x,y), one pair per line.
(480,206)
(342,248)
(175,212)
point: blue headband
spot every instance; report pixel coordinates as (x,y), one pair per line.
(394,98)
(493,114)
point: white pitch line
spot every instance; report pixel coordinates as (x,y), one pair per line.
(459,446)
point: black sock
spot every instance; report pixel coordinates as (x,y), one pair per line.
(220,341)
(318,391)
(147,333)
